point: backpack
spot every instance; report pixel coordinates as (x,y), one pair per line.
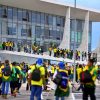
(64,81)
(57,79)
(61,80)
(7,70)
(36,74)
(86,77)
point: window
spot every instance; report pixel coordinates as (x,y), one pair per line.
(58,34)
(24,30)
(10,16)
(42,18)
(4,27)
(19,29)
(33,17)
(29,16)
(4,12)
(14,14)
(79,25)
(62,22)
(47,33)
(10,29)
(38,17)
(79,37)
(50,20)
(46,19)
(14,29)
(25,15)
(72,25)
(19,15)
(62,32)
(58,21)
(54,20)
(76,37)
(0,11)
(38,31)
(29,31)
(54,33)
(72,36)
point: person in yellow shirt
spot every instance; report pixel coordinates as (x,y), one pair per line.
(55,52)
(37,76)
(79,71)
(52,70)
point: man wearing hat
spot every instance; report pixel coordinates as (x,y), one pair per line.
(37,79)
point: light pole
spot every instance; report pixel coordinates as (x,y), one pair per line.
(74,78)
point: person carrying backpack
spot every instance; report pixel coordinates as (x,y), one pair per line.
(6,78)
(14,81)
(88,78)
(37,76)
(62,82)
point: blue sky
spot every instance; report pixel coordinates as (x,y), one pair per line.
(96,26)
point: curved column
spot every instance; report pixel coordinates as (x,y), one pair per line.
(65,44)
(84,44)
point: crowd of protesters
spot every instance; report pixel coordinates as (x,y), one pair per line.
(38,75)
(9,45)
(52,51)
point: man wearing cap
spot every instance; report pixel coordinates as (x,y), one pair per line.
(36,86)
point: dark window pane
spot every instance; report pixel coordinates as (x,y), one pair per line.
(46,19)
(58,21)
(25,15)
(10,13)
(4,12)
(62,22)
(29,31)
(58,35)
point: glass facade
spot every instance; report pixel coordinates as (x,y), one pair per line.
(26,27)
(76,37)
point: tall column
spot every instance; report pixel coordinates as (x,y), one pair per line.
(84,44)
(65,44)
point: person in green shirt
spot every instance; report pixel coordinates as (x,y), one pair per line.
(89,87)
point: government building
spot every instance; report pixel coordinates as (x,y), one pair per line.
(43,22)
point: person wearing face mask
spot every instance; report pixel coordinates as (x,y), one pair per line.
(37,76)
